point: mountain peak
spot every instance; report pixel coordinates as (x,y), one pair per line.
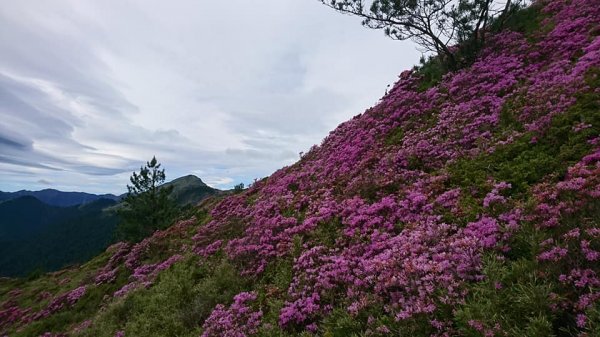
(189,189)
(188,179)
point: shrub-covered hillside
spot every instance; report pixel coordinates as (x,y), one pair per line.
(466,207)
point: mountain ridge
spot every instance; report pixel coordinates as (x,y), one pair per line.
(58,198)
(36,235)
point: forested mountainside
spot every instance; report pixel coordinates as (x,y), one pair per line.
(37,237)
(463,207)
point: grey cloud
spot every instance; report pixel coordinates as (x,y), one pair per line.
(256,155)
(26,163)
(98,171)
(65,57)
(91,90)
(24,116)
(6,142)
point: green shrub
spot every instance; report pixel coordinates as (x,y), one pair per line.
(526,161)
(512,295)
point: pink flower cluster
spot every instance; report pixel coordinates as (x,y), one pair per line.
(67,299)
(11,313)
(495,196)
(146,274)
(238,320)
(108,273)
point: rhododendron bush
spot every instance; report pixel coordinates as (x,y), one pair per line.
(468,208)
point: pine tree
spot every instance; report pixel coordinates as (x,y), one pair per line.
(438,26)
(147,206)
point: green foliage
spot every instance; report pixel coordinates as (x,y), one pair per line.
(531,157)
(278,274)
(512,295)
(41,238)
(176,305)
(394,137)
(327,233)
(525,20)
(239,187)
(272,286)
(434,25)
(147,205)
(431,70)
(340,324)
(220,283)
(372,321)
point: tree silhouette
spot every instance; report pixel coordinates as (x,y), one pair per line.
(147,206)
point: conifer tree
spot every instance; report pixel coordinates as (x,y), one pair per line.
(438,26)
(147,206)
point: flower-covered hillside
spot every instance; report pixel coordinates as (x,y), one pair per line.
(469,208)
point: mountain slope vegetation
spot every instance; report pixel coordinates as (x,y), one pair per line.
(462,205)
(35,236)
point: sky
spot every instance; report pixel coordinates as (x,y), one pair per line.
(229,91)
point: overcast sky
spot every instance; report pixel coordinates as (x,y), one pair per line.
(226,90)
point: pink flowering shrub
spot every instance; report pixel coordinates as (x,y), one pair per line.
(64,300)
(109,272)
(145,275)
(573,251)
(237,320)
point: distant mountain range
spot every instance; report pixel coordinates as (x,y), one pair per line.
(58,198)
(50,229)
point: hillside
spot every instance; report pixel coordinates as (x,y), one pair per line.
(36,236)
(464,206)
(58,198)
(25,215)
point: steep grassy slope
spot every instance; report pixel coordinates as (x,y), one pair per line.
(469,207)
